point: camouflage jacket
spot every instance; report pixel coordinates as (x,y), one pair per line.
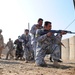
(10,45)
(33,29)
(44,41)
(26,39)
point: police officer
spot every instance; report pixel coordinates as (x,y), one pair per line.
(10,47)
(1,43)
(33,32)
(27,44)
(47,42)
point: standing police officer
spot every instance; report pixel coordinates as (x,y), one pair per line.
(27,44)
(10,47)
(1,43)
(33,32)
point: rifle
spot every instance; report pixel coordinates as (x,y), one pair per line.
(59,31)
(56,31)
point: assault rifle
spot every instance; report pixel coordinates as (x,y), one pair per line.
(56,31)
(59,31)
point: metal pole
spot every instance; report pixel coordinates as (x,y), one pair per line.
(28,26)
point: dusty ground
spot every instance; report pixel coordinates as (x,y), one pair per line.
(13,67)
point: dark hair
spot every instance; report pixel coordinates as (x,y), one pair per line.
(26,30)
(0,30)
(46,23)
(40,19)
(9,38)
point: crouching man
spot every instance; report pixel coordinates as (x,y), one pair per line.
(47,42)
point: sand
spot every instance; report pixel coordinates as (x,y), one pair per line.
(18,67)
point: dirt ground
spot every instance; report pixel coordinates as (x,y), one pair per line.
(14,67)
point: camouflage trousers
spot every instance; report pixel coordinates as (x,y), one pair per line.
(1,48)
(28,53)
(34,48)
(54,50)
(0,52)
(10,52)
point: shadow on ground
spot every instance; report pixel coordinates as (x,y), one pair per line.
(9,62)
(71,63)
(60,67)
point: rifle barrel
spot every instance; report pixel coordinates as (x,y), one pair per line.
(59,31)
(72,32)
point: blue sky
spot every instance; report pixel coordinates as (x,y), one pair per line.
(15,15)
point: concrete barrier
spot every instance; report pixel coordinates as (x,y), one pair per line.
(65,51)
(72,47)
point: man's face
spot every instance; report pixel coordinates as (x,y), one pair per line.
(40,22)
(26,32)
(49,26)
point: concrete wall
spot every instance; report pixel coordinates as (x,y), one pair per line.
(72,47)
(65,51)
(68,53)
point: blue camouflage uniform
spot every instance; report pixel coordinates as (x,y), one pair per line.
(47,45)
(33,32)
(27,45)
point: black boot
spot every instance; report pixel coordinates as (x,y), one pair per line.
(60,60)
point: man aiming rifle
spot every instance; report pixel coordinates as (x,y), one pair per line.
(47,42)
